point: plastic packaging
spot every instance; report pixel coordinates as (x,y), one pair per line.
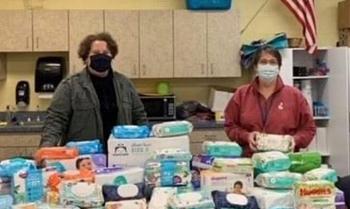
(302,162)
(233,165)
(130,132)
(12,166)
(191,200)
(55,153)
(270,161)
(273,142)
(123,192)
(127,204)
(174,128)
(87,147)
(222,149)
(321,174)
(172,154)
(6,201)
(202,161)
(160,196)
(278,180)
(232,200)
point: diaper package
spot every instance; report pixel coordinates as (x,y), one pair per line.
(81,194)
(222,149)
(191,200)
(89,162)
(123,192)
(232,200)
(113,176)
(273,142)
(161,196)
(9,167)
(202,161)
(6,201)
(340,200)
(5,185)
(130,132)
(233,165)
(174,128)
(227,182)
(87,147)
(321,174)
(127,204)
(273,199)
(270,161)
(302,162)
(278,180)
(314,194)
(172,154)
(55,153)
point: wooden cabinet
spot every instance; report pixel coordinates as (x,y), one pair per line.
(2,67)
(15,30)
(50,30)
(18,144)
(123,25)
(190,44)
(223,44)
(156,44)
(198,136)
(81,24)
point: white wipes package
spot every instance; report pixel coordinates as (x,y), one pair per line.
(160,197)
(273,199)
(271,161)
(321,174)
(191,200)
(273,142)
(278,180)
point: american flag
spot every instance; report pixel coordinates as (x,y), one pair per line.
(304,10)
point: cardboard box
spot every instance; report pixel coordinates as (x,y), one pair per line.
(226,182)
(135,152)
(219,98)
(344,14)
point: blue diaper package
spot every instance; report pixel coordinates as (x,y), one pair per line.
(233,200)
(12,166)
(278,180)
(131,132)
(222,149)
(87,147)
(123,192)
(265,162)
(6,201)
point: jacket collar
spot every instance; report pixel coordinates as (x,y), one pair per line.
(279,84)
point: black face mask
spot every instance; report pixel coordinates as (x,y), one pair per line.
(100,62)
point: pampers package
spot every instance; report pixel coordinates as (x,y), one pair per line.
(9,167)
(89,162)
(227,182)
(173,128)
(273,199)
(135,152)
(222,149)
(302,162)
(321,174)
(273,142)
(270,161)
(315,194)
(112,176)
(233,165)
(278,180)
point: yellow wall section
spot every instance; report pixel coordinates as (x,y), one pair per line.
(274,18)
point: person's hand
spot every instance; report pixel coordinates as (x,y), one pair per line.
(251,140)
(292,144)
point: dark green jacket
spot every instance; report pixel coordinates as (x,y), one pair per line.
(74,113)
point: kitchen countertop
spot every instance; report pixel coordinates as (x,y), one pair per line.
(38,128)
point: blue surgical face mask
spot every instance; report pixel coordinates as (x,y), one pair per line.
(267,72)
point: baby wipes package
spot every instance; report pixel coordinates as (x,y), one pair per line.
(130,131)
(6,201)
(127,204)
(174,154)
(81,194)
(222,149)
(118,176)
(161,196)
(5,185)
(270,161)
(273,199)
(278,180)
(87,147)
(81,162)
(191,200)
(321,174)
(227,182)
(173,128)
(202,161)
(233,165)
(55,153)
(233,200)
(273,142)
(314,194)
(11,166)
(302,162)
(123,192)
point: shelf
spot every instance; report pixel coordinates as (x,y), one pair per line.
(45,95)
(321,117)
(310,77)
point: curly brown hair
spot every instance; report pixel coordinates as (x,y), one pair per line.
(85,44)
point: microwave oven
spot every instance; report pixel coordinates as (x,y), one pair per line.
(159,108)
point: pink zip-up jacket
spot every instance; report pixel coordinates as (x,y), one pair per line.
(285,112)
